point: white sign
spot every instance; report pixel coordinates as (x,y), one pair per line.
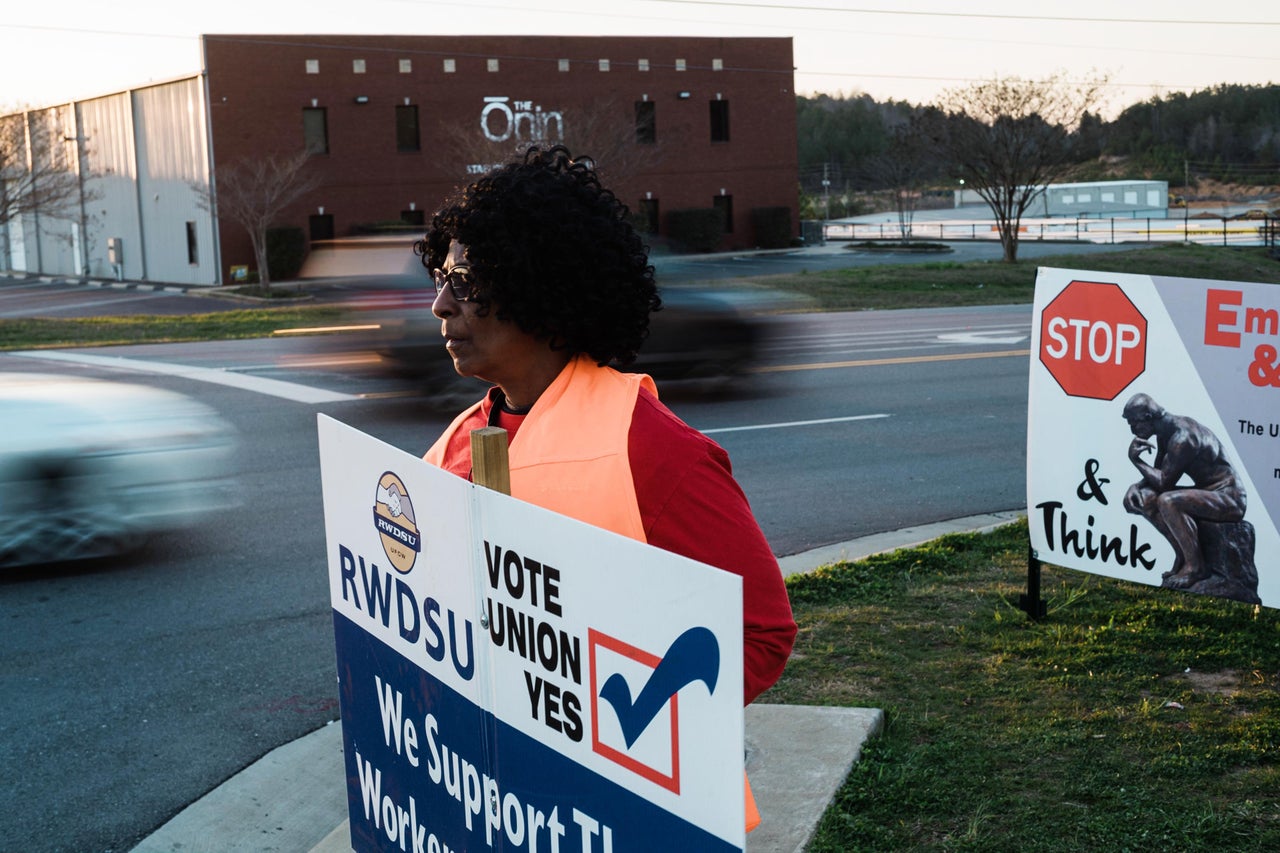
(514,679)
(1153,441)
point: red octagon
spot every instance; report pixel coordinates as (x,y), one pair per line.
(1093,340)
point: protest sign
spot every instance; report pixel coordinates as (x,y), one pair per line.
(1153,437)
(514,679)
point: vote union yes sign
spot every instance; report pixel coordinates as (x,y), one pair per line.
(514,679)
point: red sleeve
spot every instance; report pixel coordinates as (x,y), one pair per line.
(691,505)
(457,454)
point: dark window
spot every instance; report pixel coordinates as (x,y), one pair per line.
(413,217)
(719,121)
(407,128)
(193,256)
(724,204)
(315,130)
(646,122)
(321,226)
(649,214)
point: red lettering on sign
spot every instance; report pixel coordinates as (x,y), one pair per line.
(1093,341)
(1216,317)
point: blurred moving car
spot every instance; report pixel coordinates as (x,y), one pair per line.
(91,467)
(698,334)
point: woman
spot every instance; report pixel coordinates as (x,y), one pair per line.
(541,282)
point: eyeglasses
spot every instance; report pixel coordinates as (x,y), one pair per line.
(459,281)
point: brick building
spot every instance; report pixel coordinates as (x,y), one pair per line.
(393,123)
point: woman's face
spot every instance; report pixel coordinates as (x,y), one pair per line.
(483,346)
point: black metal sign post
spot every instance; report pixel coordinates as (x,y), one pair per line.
(1030,601)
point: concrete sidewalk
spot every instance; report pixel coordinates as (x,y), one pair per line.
(294,800)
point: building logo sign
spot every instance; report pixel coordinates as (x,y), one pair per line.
(503,120)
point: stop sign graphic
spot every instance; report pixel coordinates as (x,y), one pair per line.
(1093,340)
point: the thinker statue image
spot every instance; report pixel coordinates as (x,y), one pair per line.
(1204,521)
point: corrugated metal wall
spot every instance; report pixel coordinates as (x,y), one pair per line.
(144,158)
(50,239)
(172,158)
(107,124)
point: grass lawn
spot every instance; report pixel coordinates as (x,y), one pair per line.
(1131,718)
(944,283)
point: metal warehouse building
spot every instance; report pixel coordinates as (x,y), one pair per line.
(1093,199)
(392,124)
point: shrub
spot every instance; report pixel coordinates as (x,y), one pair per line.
(286,250)
(772,227)
(696,229)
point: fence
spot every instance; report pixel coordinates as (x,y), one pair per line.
(1218,231)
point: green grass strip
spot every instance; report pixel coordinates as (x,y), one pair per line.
(1131,718)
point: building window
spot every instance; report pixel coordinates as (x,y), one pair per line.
(562,65)
(717,65)
(315,130)
(313,66)
(1130,196)
(357,66)
(646,122)
(413,217)
(680,65)
(1108,198)
(724,204)
(604,65)
(407,138)
(719,121)
(1068,199)
(649,214)
(406,66)
(450,66)
(1085,198)
(193,255)
(642,64)
(491,64)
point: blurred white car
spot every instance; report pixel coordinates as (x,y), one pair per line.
(90,468)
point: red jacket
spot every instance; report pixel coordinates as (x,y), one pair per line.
(687,499)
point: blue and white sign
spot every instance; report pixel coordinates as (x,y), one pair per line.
(513,679)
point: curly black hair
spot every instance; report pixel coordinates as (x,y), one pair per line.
(552,251)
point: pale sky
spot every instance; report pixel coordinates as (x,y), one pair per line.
(52,52)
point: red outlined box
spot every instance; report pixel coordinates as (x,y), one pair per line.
(671,781)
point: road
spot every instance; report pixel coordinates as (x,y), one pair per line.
(134,686)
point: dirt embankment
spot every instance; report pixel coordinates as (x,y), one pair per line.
(1208,194)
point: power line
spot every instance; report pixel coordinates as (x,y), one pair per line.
(978,15)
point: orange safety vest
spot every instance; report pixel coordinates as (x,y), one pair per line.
(570,456)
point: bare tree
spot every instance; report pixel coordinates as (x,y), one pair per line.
(254,192)
(38,170)
(1010,138)
(904,168)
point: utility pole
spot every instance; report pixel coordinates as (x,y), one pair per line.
(826,192)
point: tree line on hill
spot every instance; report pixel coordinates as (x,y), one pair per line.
(1227,133)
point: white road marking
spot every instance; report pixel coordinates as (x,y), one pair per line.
(982,338)
(794,424)
(245,382)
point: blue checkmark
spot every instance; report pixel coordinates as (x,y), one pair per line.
(693,656)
